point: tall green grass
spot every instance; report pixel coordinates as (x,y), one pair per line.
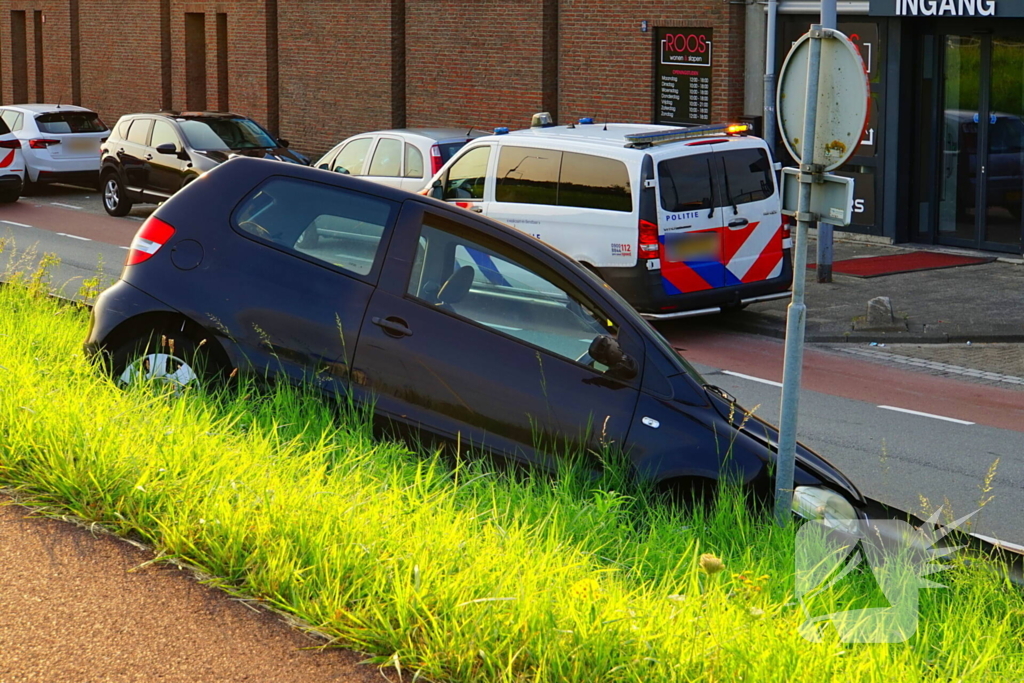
(458,573)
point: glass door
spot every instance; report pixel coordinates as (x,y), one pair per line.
(981,184)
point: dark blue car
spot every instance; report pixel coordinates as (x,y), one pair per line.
(457,326)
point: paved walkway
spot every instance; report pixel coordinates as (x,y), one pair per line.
(980,303)
(74,607)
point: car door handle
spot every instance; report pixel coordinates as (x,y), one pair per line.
(739,223)
(394,327)
(476,209)
(149,157)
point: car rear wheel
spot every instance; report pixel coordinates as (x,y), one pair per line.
(114,199)
(8,196)
(172,360)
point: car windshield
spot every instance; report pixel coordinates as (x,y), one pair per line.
(59,122)
(209,134)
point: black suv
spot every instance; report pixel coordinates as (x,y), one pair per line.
(149,157)
(449,323)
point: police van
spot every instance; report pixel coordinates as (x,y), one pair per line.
(679,221)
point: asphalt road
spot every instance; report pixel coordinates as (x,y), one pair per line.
(903,436)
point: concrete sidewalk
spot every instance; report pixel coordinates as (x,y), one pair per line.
(979,303)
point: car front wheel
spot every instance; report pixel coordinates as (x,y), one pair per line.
(114,199)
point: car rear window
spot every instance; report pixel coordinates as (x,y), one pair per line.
(715,179)
(4,129)
(65,122)
(747,175)
(328,224)
(450,147)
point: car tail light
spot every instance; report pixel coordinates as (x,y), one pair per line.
(435,159)
(153,234)
(42,143)
(649,247)
(10,144)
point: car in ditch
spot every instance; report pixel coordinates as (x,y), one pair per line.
(455,326)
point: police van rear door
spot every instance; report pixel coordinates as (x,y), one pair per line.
(690,219)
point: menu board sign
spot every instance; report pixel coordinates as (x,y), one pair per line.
(682,75)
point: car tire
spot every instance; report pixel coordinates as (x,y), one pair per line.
(169,358)
(114,197)
(29,188)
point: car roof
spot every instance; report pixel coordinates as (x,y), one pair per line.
(610,136)
(432,133)
(197,114)
(42,108)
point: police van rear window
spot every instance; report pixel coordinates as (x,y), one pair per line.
(705,181)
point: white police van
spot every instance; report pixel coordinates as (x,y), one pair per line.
(679,221)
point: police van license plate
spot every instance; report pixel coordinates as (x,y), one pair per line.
(692,246)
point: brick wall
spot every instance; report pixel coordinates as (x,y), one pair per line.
(346,66)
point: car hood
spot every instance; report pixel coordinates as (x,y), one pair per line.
(768,434)
(277,153)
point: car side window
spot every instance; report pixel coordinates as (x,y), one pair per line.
(506,292)
(139,132)
(593,182)
(121,129)
(465,179)
(413,162)
(328,159)
(387,159)
(332,225)
(4,129)
(163,133)
(352,157)
(12,119)
(527,175)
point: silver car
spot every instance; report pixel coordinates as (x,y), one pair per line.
(406,158)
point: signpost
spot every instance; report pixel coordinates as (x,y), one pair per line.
(682,73)
(822,107)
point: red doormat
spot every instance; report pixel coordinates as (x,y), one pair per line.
(876,266)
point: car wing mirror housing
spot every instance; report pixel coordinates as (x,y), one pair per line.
(437,190)
(167,148)
(607,351)
(283,142)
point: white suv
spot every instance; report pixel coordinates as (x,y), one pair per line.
(12,166)
(680,221)
(61,142)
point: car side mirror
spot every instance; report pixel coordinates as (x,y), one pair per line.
(283,142)
(607,351)
(167,148)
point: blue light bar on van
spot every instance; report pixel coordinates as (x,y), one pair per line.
(662,137)
(503,130)
(585,120)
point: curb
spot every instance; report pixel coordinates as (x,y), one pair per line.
(777,330)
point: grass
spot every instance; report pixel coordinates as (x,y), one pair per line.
(455,572)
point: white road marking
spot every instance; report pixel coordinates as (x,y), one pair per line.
(752,379)
(125,248)
(20,225)
(936,417)
(66,206)
(134,218)
(74,237)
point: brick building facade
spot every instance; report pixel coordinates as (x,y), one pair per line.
(316,71)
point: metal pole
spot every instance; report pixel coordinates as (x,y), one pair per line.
(823,270)
(769,77)
(796,314)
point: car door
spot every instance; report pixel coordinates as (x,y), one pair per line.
(752,224)
(385,165)
(304,274)
(475,337)
(131,153)
(465,184)
(690,221)
(166,171)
